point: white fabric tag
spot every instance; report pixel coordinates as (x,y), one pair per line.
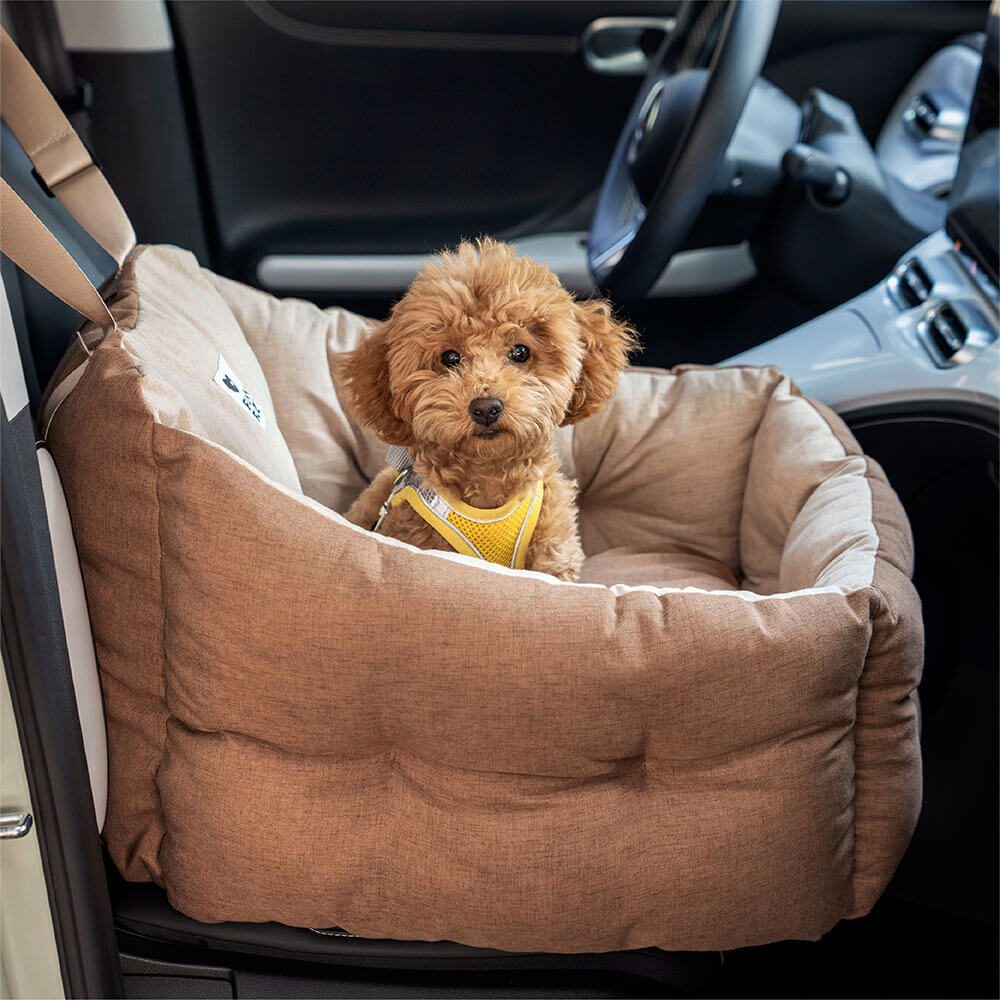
(226,379)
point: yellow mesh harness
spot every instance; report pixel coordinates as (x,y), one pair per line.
(500,535)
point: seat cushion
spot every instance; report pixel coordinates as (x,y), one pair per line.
(319,726)
(635,568)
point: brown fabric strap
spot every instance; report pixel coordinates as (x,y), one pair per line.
(26,241)
(61,160)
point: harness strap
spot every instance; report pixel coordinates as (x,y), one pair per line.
(61,160)
(501,535)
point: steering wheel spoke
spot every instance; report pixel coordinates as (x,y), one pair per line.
(632,213)
(674,140)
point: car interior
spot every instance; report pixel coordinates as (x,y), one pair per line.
(813,185)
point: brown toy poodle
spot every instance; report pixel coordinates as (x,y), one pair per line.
(481,360)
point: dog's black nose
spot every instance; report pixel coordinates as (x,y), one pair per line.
(486,410)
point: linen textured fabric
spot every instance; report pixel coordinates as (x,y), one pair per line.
(710,742)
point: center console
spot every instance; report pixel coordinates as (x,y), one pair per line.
(925,339)
(927,334)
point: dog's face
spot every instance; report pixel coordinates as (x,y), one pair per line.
(484,356)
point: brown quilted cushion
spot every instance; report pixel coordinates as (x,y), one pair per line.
(710,742)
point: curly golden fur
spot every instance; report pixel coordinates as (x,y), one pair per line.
(481,301)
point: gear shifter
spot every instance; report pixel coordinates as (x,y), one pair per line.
(830,183)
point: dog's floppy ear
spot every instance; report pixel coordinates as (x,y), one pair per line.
(606,347)
(363,378)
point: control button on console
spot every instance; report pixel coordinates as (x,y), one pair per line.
(921,115)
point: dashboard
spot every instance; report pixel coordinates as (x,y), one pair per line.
(928,333)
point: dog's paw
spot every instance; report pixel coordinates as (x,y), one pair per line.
(562,558)
(568,575)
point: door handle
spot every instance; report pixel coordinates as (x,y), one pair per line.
(14,825)
(623,46)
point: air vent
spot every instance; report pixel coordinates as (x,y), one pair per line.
(947,330)
(912,284)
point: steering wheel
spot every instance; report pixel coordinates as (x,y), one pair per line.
(674,141)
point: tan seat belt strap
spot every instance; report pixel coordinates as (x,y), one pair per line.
(60,159)
(29,244)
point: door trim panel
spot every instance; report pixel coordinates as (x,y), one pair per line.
(391,38)
(691,272)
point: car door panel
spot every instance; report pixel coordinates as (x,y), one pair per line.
(406,141)
(394,128)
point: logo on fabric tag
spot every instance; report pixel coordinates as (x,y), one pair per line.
(226,378)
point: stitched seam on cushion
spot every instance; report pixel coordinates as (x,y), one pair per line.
(140,378)
(857,693)
(131,367)
(893,616)
(867,478)
(871,636)
(629,766)
(741,751)
(163,628)
(374,756)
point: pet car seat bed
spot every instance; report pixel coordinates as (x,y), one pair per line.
(709,742)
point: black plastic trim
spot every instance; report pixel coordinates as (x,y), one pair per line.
(140,130)
(399,957)
(395,38)
(196,141)
(41,686)
(979,415)
(149,926)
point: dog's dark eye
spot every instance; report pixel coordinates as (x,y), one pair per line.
(451,358)
(519,354)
